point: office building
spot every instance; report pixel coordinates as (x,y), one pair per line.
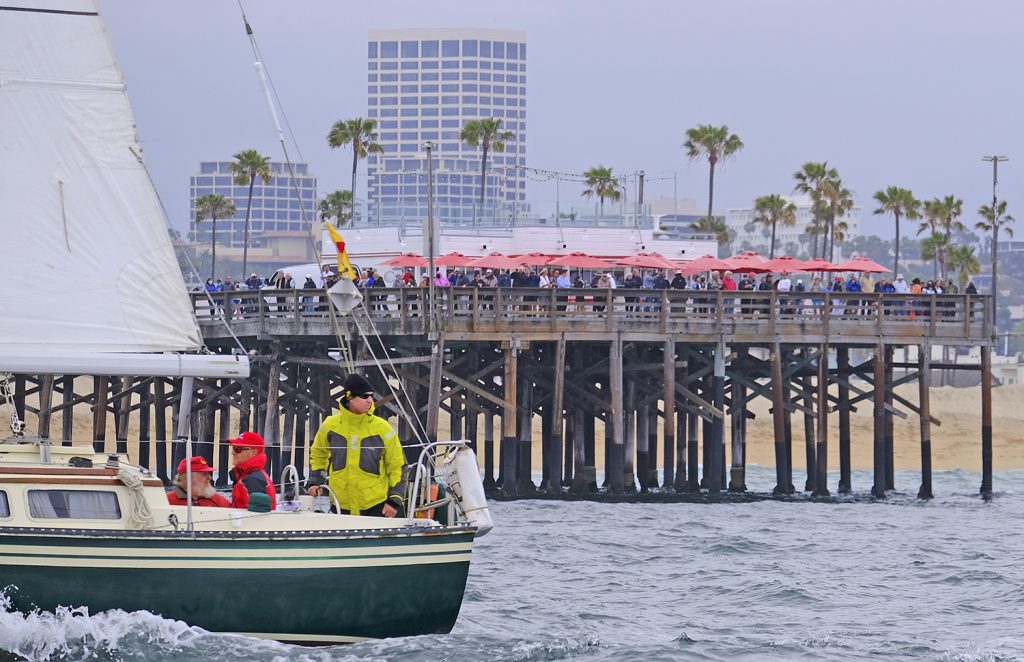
(276,208)
(424,85)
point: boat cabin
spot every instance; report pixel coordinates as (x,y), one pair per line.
(81,489)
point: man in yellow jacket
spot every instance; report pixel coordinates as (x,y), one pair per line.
(359,456)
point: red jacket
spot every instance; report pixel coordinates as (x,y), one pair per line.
(216,501)
(250,477)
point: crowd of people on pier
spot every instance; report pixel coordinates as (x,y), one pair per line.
(661,279)
(789,286)
(652,279)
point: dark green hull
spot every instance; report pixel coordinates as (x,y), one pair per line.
(305,590)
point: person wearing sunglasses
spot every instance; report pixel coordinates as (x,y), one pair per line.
(250,477)
(358,455)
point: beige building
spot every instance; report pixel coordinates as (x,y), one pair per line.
(754,236)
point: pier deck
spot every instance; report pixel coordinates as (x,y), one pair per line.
(588,314)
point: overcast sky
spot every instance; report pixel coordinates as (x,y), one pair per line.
(906,92)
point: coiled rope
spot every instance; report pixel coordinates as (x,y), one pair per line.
(139,514)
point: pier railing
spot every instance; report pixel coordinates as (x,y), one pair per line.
(740,316)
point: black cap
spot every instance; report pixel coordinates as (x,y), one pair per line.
(356,384)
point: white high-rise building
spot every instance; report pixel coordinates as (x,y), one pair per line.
(748,235)
(424,85)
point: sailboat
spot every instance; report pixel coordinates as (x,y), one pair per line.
(93,287)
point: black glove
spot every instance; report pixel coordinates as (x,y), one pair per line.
(316,478)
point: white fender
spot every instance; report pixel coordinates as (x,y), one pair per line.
(345,295)
(461,476)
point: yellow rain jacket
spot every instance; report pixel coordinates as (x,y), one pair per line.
(362,458)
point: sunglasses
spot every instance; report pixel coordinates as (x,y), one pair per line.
(237,449)
(364,396)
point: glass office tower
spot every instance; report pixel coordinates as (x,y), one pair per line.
(275,206)
(424,85)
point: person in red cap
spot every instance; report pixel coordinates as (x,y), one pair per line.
(248,472)
(203,492)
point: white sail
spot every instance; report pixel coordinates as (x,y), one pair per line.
(90,270)
(88,266)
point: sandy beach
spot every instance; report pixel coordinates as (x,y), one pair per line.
(956,443)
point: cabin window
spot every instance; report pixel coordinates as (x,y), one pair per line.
(5,509)
(78,504)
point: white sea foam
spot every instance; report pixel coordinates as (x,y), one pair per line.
(74,633)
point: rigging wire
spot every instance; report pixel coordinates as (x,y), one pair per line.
(418,427)
(271,95)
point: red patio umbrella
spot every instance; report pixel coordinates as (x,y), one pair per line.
(785,263)
(862,264)
(704,263)
(749,255)
(647,261)
(748,262)
(580,261)
(453,259)
(534,259)
(406,260)
(819,264)
(494,261)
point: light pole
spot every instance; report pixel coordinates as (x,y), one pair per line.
(639,199)
(995,226)
(429,146)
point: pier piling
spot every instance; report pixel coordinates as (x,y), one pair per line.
(924,379)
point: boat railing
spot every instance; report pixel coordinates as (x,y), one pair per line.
(290,477)
(419,501)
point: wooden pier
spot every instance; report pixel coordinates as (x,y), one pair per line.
(630,363)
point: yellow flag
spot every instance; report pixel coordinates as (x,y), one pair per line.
(344,266)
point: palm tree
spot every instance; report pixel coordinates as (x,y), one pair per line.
(948,210)
(247,166)
(839,230)
(361,135)
(899,202)
(929,226)
(839,201)
(715,226)
(337,205)
(770,210)
(714,143)
(213,206)
(963,260)
(488,134)
(932,246)
(994,219)
(810,180)
(600,182)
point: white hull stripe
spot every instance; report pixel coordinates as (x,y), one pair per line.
(228,564)
(234,552)
(306,638)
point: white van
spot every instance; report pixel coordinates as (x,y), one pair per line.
(313,270)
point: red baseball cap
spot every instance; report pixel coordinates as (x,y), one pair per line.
(199,465)
(249,440)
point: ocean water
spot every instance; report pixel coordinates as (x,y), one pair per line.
(840,579)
